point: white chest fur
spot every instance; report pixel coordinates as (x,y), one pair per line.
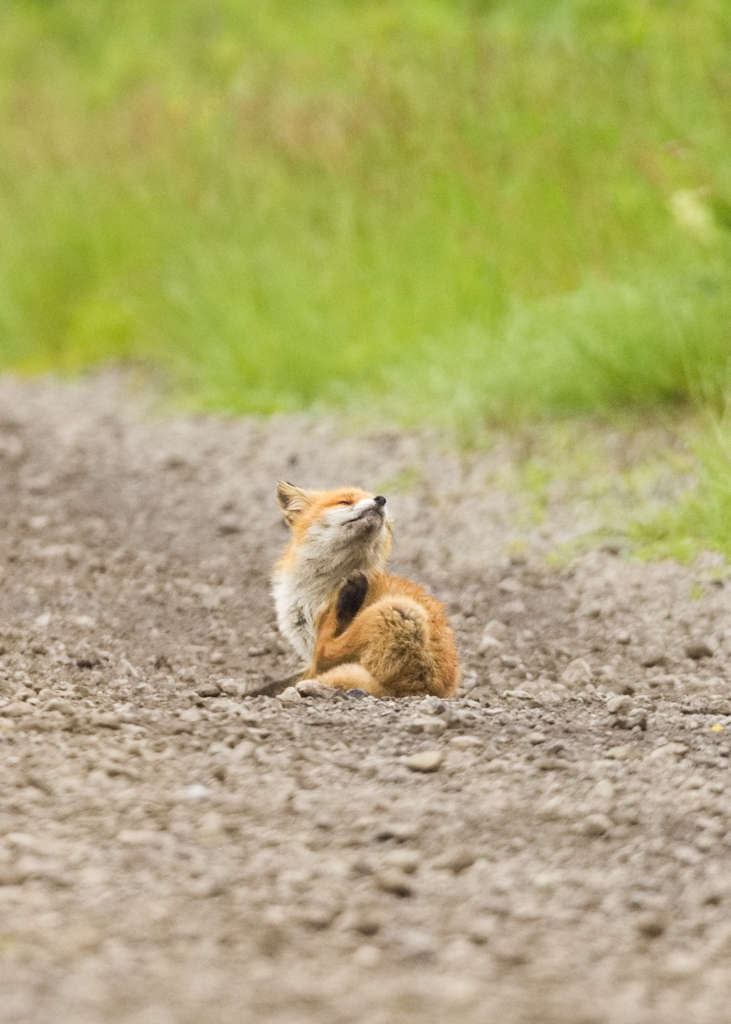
(331,551)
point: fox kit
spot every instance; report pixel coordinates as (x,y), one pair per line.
(356,626)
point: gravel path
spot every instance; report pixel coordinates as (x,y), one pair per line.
(550,847)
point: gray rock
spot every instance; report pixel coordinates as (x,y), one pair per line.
(458,859)
(699,649)
(424,761)
(312,688)
(577,674)
(596,824)
(395,881)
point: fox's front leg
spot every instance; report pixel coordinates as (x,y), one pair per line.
(335,644)
(350,601)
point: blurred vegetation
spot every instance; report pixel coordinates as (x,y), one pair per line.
(454,211)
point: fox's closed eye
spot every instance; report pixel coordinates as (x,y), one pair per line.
(345,503)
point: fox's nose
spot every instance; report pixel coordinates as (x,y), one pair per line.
(380,500)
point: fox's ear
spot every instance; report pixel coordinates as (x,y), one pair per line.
(293,500)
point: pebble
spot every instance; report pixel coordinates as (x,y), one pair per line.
(602,795)
(11,874)
(368,919)
(432,726)
(197,792)
(537,737)
(489,647)
(577,674)
(311,688)
(417,945)
(465,742)
(653,657)
(623,637)
(668,750)
(514,608)
(698,649)
(496,629)
(432,706)
(404,860)
(105,720)
(424,761)
(596,824)
(619,705)
(458,859)
(289,696)
(210,689)
(650,924)
(482,929)
(395,881)
(624,752)
(17,709)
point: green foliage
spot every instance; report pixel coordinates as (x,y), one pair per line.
(701,519)
(455,210)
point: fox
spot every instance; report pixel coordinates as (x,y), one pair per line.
(356,626)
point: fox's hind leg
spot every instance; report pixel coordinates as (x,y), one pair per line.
(351,677)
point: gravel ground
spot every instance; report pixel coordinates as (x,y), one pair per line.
(173,849)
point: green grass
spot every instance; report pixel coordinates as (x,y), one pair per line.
(444,211)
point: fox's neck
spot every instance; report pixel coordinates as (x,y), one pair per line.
(303,588)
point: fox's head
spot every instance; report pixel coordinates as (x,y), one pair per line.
(343,530)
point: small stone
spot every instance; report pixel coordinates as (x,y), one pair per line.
(210,689)
(432,726)
(596,824)
(368,919)
(456,860)
(549,764)
(619,705)
(356,693)
(105,720)
(537,737)
(432,706)
(698,649)
(137,837)
(312,688)
(510,586)
(496,629)
(668,750)
(653,657)
(404,860)
(197,792)
(514,608)
(602,795)
(11,874)
(465,742)
(394,881)
(577,674)
(417,945)
(289,696)
(424,761)
(624,752)
(623,637)
(401,831)
(17,709)
(650,924)
(482,929)
(489,647)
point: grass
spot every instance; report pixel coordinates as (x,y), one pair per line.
(450,211)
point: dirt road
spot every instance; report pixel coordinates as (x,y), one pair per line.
(173,851)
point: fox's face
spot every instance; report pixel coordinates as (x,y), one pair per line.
(344,529)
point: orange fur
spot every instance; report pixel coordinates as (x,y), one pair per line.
(397,642)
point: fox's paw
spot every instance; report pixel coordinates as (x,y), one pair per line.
(350,599)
